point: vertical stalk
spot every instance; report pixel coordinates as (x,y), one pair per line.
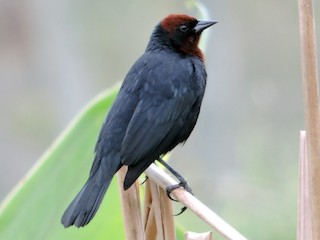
(130,202)
(167,215)
(311,106)
(304,224)
(149,217)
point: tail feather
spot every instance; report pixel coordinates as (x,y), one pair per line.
(85,205)
(134,172)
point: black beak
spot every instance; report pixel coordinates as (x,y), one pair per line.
(202,25)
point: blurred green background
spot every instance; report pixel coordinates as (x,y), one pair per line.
(242,157)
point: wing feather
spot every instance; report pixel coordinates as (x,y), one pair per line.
(151,126)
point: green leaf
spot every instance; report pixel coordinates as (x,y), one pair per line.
(34,208)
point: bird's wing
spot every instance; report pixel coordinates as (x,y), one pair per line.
(154,126)
(113,130)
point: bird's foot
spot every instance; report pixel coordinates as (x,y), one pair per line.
(184,184)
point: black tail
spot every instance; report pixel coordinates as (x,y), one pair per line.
(85,205)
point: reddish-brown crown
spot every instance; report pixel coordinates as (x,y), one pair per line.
(171,22)
(190,46)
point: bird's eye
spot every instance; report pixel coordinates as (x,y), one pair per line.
(183,28)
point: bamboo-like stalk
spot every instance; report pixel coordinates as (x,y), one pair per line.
(304,225)
(149,218)
(151,228)
(311,106)
(202,211)
(158,213)
(167,215)
(157,210)
(131,209)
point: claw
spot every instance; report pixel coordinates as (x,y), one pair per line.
(144,181)
(181,211)
(169,190)
(183,183)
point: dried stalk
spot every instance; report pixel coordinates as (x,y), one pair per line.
(131,210)
(304,231)
(311,105)
(167,215)
(157,209)
(202,211)
(149,218)
(163,213)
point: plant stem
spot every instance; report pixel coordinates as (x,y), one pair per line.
(202,211)
(311,105)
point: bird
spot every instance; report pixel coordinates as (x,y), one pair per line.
(156,109)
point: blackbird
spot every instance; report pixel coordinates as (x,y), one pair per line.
(156,108)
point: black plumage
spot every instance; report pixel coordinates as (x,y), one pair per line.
(156,108)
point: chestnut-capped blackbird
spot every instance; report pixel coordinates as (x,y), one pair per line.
(156,108)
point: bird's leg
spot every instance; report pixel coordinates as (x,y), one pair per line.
(182,183)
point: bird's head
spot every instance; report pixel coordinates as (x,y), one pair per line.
(182,32)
